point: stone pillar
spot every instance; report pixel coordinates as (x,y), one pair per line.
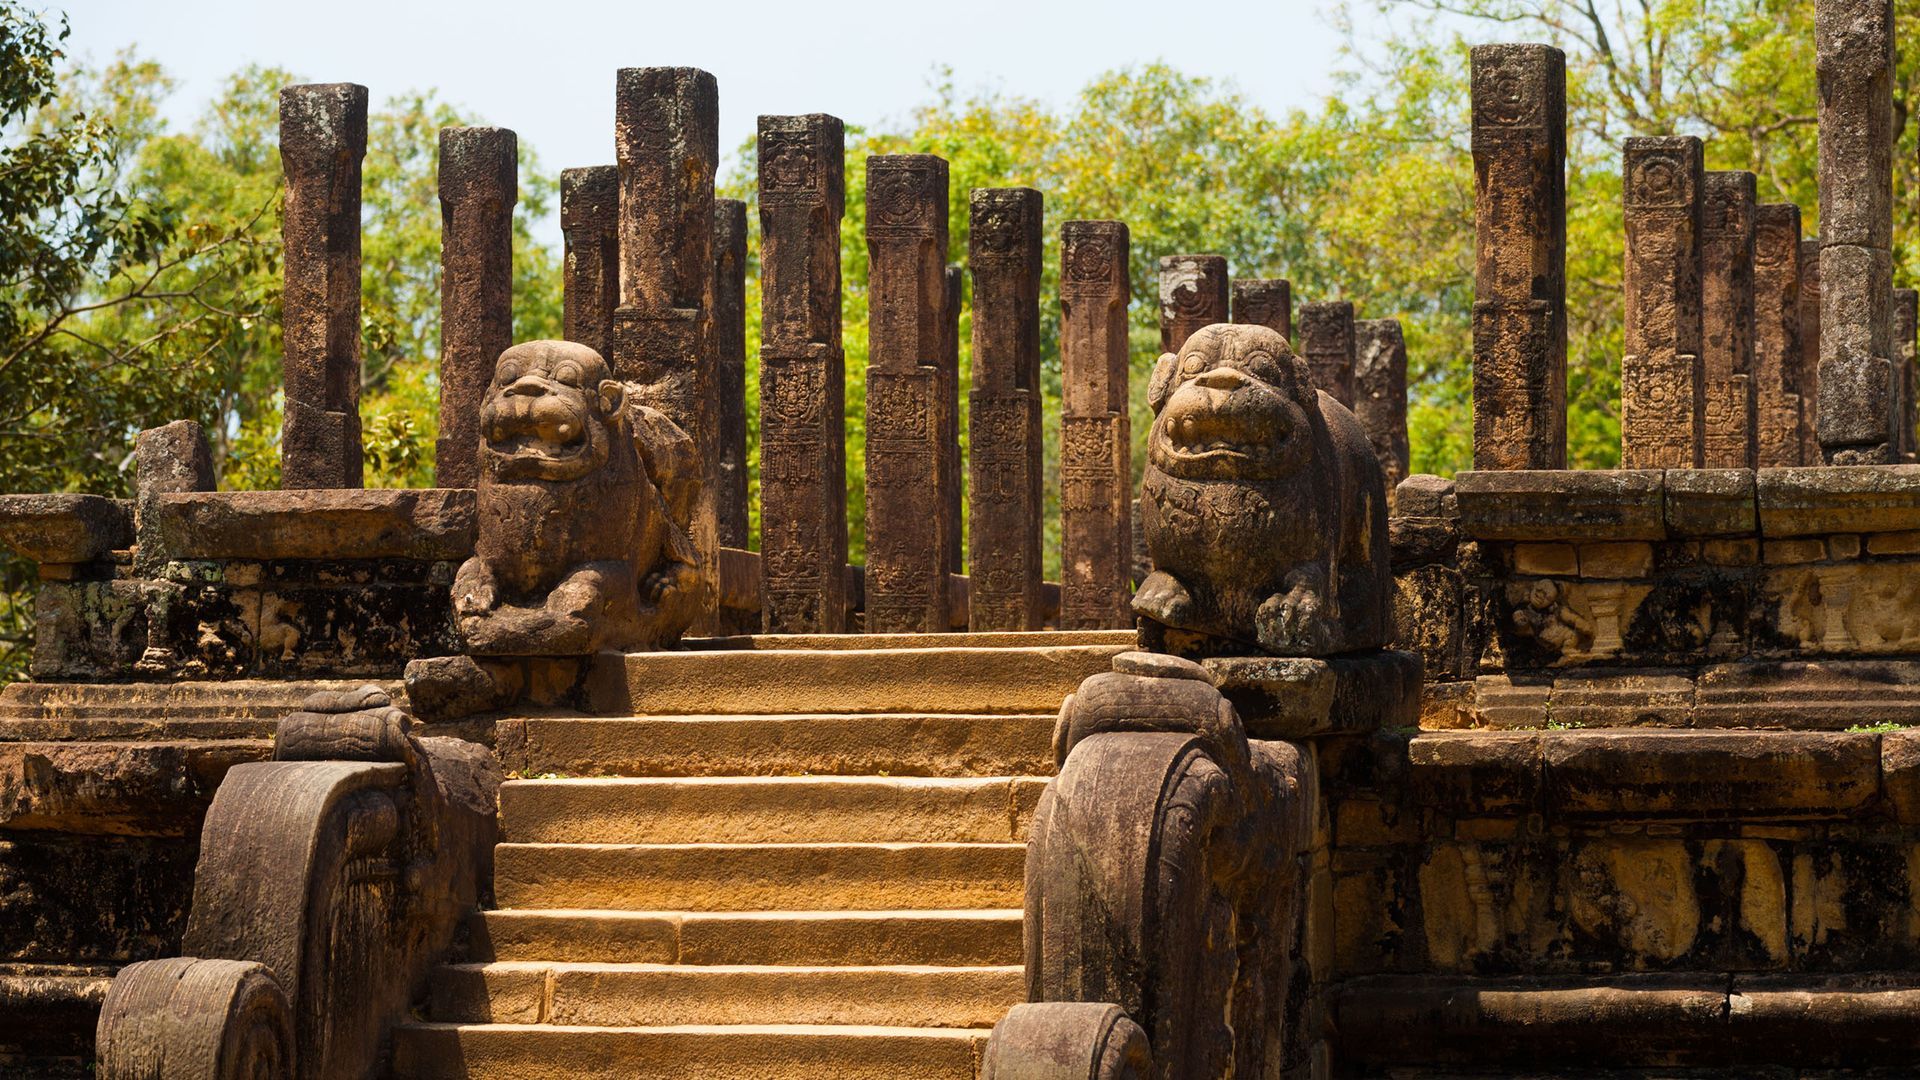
(803,376)
(906,310)
(479,184)
(1859,409)
(950,463)
(1776,335)
(1096,455)
(1662,388)
(1726,318)
(730,366)
(1380,393)
(1807,371)
(590,222)
(1520,257)
(1193,294)
(1264,302)
(323,136)
(667,138)
(1004,467)
(1906,320)
(1326,341)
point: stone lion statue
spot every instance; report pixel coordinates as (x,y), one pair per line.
(584,502)
(1264,508)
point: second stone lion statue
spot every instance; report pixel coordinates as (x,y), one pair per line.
(1263,506)
(584,500)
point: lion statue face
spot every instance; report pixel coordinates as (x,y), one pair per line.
(1231,405)
(552,412)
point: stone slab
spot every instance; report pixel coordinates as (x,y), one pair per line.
(1615,504)
(63,528)
(1830,499)
(429,524)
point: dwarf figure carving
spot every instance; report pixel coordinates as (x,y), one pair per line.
(1264,508)
(584,500)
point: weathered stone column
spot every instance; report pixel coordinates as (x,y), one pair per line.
(1096,449)
(1520,257)
(1807,371)
(730,366)
(1264,302)
(1776,335)
(590,223)
(323,136)
(906,308)
(479,185)
(667,138)
(1380,393)
(803,376)
(1726,317)
(951,467)
(1004,467)
(1326,341)
(1859,393)
(1662,388)
(1193,294)
(1906,321)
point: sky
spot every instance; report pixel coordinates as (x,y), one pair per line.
(545,68)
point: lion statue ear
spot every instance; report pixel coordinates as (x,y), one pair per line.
(1161,384)
(613,396)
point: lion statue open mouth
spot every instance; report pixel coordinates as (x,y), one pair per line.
(584,502)
(1263,506)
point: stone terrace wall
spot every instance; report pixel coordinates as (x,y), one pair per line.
(269,584)
(1709,598)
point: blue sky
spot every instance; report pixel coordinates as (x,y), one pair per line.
(545,68)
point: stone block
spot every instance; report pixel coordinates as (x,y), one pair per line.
(1845,546)
(1628,559)
(1862,499)
(1487,905)
(1696,773)
(1894,543)
(1633,900)
(1426,617)
(1900,773)
(1550,560)
(1618,697)
(1476,772)
(1419,541)
(1792,552)
(1807,694)
(435,524)
(64,529)
(1840,609)
(1295,697)
(1501,702)
(1425,495)
(1623,504)
(115,788)
(1710,502)
(1742,552)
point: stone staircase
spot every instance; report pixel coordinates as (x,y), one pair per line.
(767,858)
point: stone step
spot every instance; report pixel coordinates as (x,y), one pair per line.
(969,679)
(757,1052)
(667,995)
(807,809)
(758,877)
(957,938)
(235,699)
(819,743)
(1706,1020)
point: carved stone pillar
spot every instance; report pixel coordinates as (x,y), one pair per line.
(907,304)
(323,136)
(730,366)
(590,222)
(1859,408)
(803,492)
(1264,302)
(1776,335)
(1727,315)
(1520,257)
(667,138)
(1326,341)
(1906,314)
(1096,463)
(1662,386)
(1004,467)
(1193,294)
(951,468)
(479,184)
(1380,394)
(1807,371)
